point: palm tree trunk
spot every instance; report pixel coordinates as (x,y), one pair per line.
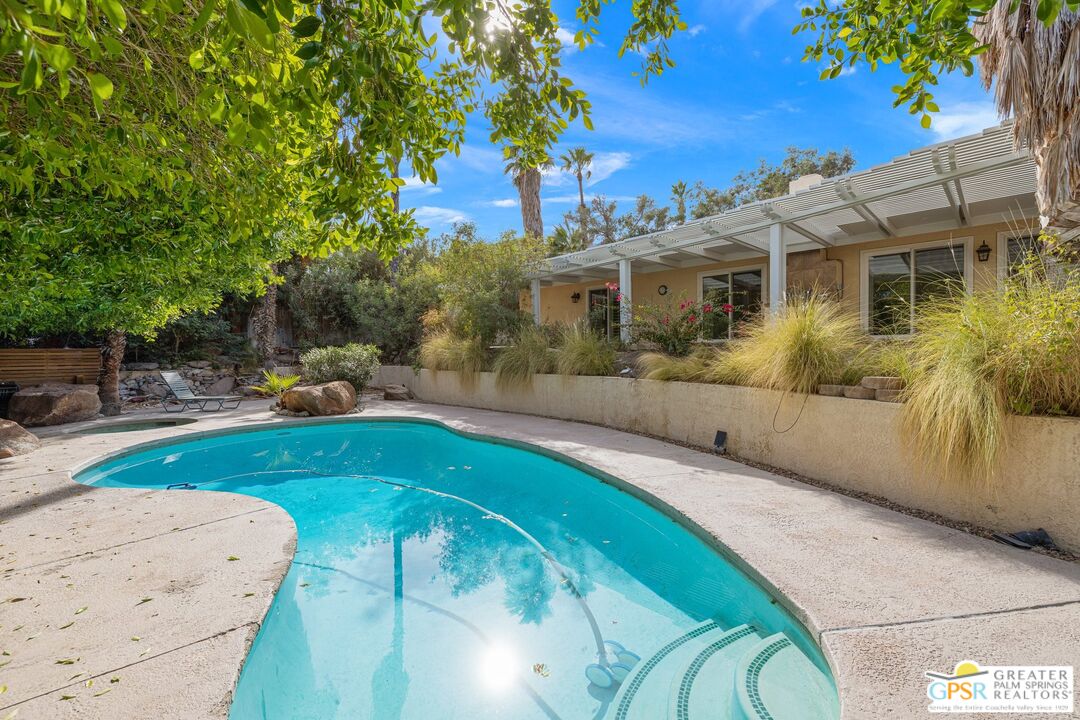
(528,185)
(581,189)
(112,355)
(264,321)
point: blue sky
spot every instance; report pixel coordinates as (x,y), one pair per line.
(739,93)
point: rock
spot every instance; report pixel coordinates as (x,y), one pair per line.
(156,389)
(397,392)
(142,366)
(54,404)
(14,440)
(858,392)
(831,390)
(332,398)
(887,395)
(222,386)
(882,383)
(198,364)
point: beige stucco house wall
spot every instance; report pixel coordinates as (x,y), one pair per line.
(841,264)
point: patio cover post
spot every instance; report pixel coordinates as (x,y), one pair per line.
(535,292)
(626,310)
(777,267)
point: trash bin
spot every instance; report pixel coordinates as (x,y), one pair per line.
(7,389)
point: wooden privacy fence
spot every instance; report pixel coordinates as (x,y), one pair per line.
(34,366)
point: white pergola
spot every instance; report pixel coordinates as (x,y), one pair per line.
(974,180)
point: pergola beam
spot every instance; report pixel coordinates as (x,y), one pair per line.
(965,212)
(844,190)
(813,237)
(747,244)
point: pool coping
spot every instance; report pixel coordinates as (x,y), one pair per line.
(877,646)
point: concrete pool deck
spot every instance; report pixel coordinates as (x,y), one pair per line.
(135,590)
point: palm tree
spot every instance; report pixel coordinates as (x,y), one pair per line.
(1035,70)
(527,174)
(578,162)
(680,192)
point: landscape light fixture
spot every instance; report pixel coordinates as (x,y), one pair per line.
(575,297)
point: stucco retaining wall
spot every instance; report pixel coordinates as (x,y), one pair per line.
(854,444)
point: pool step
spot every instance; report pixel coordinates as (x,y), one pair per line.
(646,692)
(709,673)
(764,689)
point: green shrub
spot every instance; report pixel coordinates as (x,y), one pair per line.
(674,329)
(583,351)
(660,366)
(353,362)
(530,354)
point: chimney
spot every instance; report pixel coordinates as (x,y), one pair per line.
(803,182)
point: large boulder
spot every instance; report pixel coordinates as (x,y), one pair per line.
(222,386)
(397,392)
(54,404)
(332,398)
(14,440)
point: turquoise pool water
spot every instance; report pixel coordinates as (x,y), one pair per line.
(443,576)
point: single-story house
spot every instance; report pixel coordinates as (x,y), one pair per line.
(882,239)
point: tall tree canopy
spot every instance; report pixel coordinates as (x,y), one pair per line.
(1028,49)
(154,152)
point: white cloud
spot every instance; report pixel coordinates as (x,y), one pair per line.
(501,203)
(565,38)
(696,30)
(416,185)
(438,216)
(603,166)
(574,199)
(751,11)
(478,157)
(964,118)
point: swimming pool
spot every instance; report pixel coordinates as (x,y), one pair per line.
(439,575)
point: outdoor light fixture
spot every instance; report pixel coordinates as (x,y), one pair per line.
(983,251)
(575,297)
(662,290)
(720,442)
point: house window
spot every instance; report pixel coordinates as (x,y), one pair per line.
(1017,251)
(603,311)
(741,289)
(900,281)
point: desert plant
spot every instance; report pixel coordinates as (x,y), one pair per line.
(808,342)
(530,354)
(979,356)
(691,368)
(276,384)
(583,351)
(354,363)
(444,350)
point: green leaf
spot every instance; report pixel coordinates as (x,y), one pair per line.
(925,122)
(204,16)
(114,10)
(309,50)
(307,26)
(31,74)
(196,60)
(101,85)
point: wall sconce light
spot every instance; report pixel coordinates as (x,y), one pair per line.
(575,297)
(983,251)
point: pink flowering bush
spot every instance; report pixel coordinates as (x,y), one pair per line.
(674,329)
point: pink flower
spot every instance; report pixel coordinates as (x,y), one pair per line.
(728,307)
(618,298)
(707,307)
(612,286)
(692,318)
(666,320)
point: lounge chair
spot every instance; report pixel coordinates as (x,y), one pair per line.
(180,391)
